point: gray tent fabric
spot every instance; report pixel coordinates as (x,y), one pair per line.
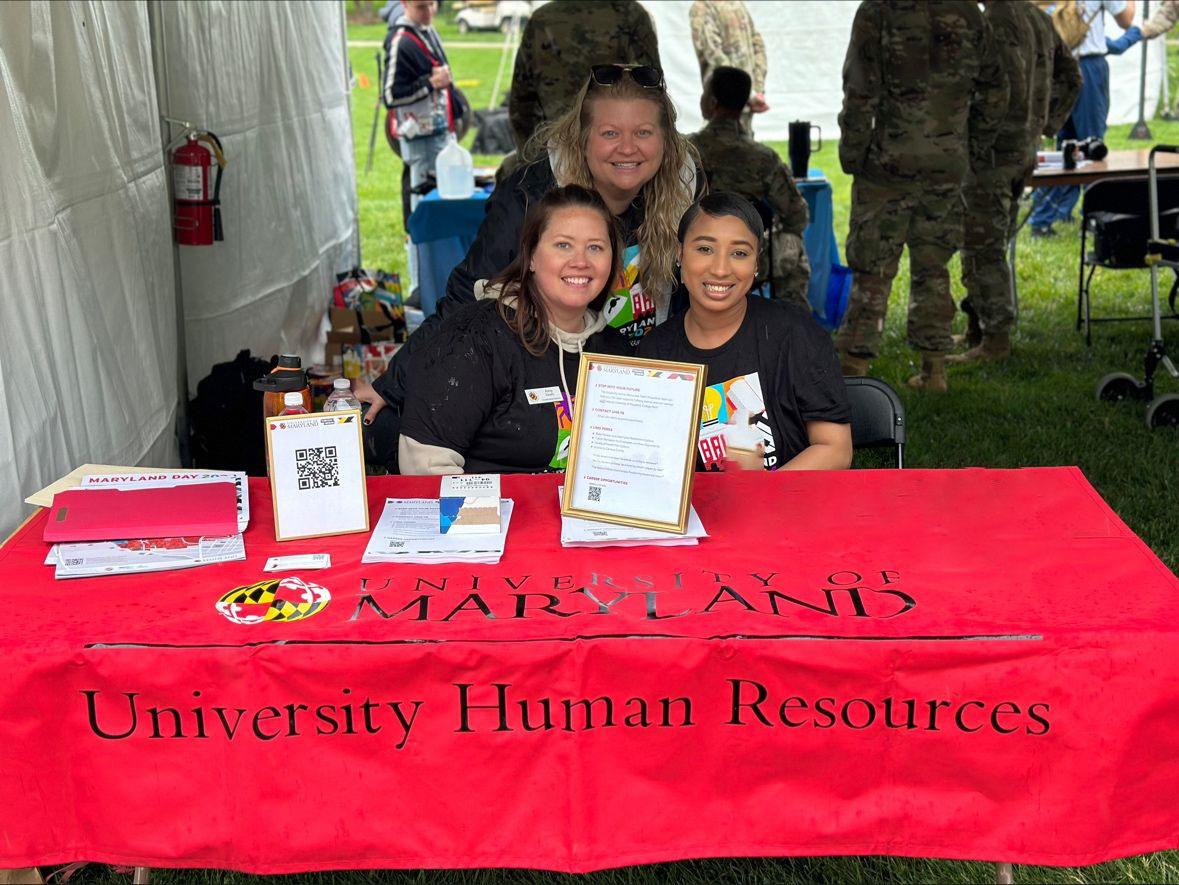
(88,325)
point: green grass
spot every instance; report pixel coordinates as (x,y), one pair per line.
(1038,408)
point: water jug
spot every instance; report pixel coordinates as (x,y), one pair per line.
(454,171)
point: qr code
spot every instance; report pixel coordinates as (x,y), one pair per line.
(595,493)
(317,468)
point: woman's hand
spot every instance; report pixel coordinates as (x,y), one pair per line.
(364,392)
(744,459)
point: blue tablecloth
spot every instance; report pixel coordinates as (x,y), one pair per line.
(822,250)
(442,231)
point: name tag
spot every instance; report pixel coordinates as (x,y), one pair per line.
(538,395)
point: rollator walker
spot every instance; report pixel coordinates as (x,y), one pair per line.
(1161,411)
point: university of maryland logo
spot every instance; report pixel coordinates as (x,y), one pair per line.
(285,599)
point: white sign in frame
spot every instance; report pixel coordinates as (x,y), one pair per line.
(632,449)
(317,474)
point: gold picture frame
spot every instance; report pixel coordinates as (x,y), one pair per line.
(337,513)
(683,428)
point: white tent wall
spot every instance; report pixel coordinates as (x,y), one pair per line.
(270,80)
(88,341)
(87,321)
(805,44)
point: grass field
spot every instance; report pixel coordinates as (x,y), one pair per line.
(1038,408)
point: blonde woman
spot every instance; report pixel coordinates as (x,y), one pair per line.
(618,139)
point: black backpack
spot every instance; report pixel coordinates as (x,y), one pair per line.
(225,417)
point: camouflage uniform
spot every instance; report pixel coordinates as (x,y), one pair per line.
(561,42)
(992,189)
(724,36)
(1058,79)
(734,162)
(1162,21)
(923,96)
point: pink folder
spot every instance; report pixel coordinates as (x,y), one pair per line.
(117,514)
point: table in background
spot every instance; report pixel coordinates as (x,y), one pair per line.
(822,249)
(970,664)
(1117,164)
(442,231)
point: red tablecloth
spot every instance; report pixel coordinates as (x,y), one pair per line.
(962,664)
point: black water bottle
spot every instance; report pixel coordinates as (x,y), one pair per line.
(800,146)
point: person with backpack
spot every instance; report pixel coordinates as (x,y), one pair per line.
(1081,24)
(418,89)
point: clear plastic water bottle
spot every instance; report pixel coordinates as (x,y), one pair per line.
(455,171)
(341,399)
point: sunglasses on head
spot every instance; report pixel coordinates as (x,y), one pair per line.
(643,75)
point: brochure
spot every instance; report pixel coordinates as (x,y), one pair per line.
(408,531)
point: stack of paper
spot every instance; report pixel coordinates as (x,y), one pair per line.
(408,532)
(590,533)
(86,560)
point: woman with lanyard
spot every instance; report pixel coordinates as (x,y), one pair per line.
(776,397)
(619,138)
(493,387)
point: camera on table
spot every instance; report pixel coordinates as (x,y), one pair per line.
(1092,148)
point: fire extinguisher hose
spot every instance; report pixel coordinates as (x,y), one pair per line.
(219,154)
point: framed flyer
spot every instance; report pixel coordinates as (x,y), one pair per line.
(632,449)
(316,471)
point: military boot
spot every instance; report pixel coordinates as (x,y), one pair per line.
(994,346)
(974,334)
(933,373)
(854,366)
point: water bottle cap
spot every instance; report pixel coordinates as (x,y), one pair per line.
(294,398)
(342,384)
(290,361)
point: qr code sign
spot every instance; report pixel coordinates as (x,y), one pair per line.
(595,493)
(317,468)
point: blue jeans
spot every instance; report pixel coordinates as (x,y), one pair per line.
(419,155)
(1051,204)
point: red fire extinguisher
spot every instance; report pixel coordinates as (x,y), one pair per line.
(196,218)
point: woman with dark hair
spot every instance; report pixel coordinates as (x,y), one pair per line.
(493,387)
(776,397)
(618,138)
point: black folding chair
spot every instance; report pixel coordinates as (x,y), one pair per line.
(1115,221)
(878,416)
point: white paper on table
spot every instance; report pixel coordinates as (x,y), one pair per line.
(153,480)
(408,532)
(589,533)
(96,558)
(633,446)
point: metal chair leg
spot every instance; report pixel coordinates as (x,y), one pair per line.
(142,875)
(1004,874)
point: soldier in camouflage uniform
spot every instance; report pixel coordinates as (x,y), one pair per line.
(923,96)
(561,42)
(724,36)
(734,162)
(1058,79)
(1044,80)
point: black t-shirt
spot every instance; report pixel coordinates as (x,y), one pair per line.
(477,391)
(777,372)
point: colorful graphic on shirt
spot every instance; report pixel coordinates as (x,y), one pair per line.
(564,410)
(628,308)
(734,416)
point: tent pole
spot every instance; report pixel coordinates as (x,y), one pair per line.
(159,55)
(1141,132)
(347,73)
